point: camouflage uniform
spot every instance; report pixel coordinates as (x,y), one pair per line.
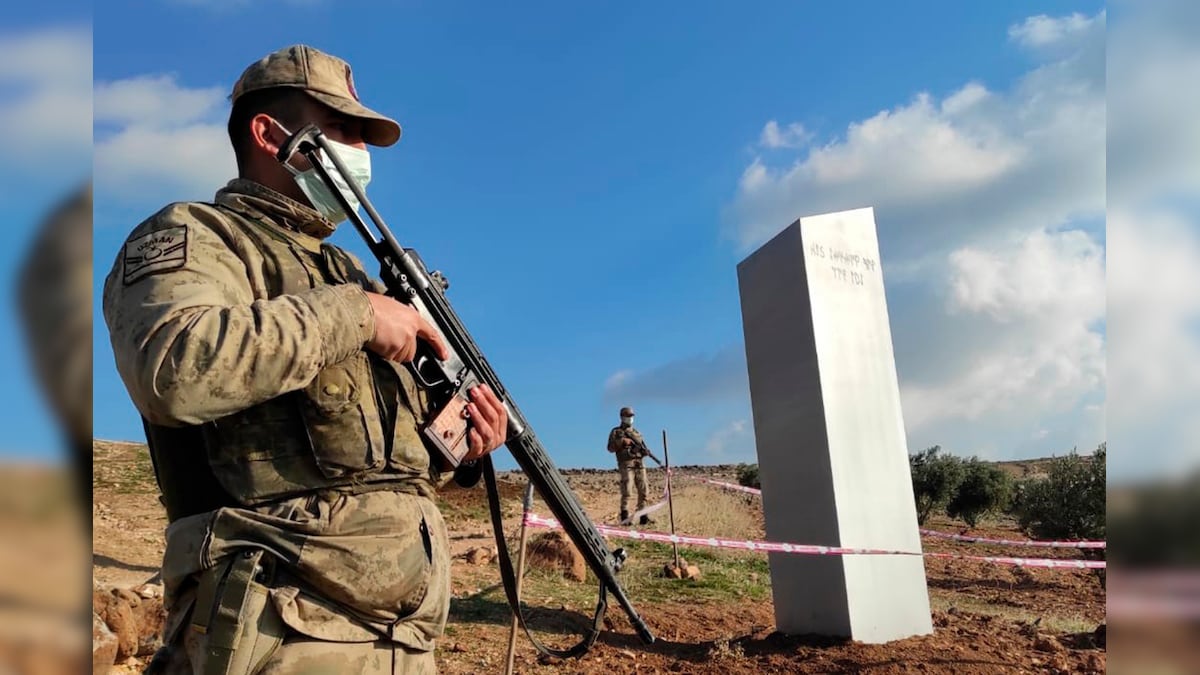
(629,461)
(303,535)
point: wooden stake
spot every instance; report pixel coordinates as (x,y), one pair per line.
(670,496)
(527,507)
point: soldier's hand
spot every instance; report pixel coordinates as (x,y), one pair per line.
(489,423)
(397,328)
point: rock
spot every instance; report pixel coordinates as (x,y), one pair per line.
(149,591)
(135,621)
(1094,662)
(672,572)
(479,556)
(104,646)
(1047,643)
(555,551)
(691,572)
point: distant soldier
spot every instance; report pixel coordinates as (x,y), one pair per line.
(630,448)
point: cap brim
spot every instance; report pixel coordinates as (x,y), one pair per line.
(377,129)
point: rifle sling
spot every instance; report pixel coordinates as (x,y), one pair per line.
(508,576)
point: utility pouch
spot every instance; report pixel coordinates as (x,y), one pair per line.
(233,613)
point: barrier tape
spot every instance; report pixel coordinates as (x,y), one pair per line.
(947,535)
(534,520)
(731,486)
(1017,542)
(651,508)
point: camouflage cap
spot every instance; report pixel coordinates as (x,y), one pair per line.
(626,412)
(326,78)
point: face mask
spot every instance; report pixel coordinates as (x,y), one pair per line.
(358,165)
(627,421)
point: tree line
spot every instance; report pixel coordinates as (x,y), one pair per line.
(1068,502)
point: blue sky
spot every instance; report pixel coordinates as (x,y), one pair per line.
(45,106)
(589,178)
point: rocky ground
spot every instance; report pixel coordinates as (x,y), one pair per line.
(988,618)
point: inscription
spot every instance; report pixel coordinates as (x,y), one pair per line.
(849,268)
(849,276)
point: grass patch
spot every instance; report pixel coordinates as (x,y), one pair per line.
(705,511)
(725,577)
(1060,623)
(124,469)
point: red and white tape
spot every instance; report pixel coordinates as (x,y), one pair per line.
(947,535)
(731,486)
(534,520)
(1017,542)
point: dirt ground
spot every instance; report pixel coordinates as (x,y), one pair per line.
(988,618)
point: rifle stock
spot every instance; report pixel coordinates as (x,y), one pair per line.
(408,281)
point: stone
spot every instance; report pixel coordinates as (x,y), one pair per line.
(104,646)
(691,572)
(136,622)
(555,551)
(1048,643)
(479,556)
(829,431)
(672,572)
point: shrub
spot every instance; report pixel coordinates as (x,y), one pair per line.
(747,476)
(1155,524)
(1069,503)
(935,478)
(985,488)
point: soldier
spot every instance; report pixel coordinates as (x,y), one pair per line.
(630,448)
(267,366)
(55,308)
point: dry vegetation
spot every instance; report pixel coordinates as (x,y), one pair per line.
(988,618)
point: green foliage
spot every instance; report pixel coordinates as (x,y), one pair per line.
(748,475)
(1156,524)
(1069,503)
(985,489)
(935,479)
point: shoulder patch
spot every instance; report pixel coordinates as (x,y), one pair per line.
(159,251)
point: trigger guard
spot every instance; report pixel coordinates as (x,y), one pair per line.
(418,366)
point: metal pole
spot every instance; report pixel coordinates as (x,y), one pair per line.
(527,508)
(670,497)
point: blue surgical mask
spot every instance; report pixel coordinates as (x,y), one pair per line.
(358,165)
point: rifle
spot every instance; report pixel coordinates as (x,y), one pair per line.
(640,443)
(445,436)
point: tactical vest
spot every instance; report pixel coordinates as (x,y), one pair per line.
(354,427)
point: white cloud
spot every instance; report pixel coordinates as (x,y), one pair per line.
(1054,277)
(941,172)
(720,376)
(1154,235)
(793,136)
(1154,106)
(1039,300)
(155,100)
(46,107)
(998,314)
(161,140)
(732,442)
(1042,31)
(1154,353)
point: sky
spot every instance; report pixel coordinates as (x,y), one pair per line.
(588,179)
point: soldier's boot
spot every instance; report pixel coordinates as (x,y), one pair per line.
(646,520)
(624,516)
